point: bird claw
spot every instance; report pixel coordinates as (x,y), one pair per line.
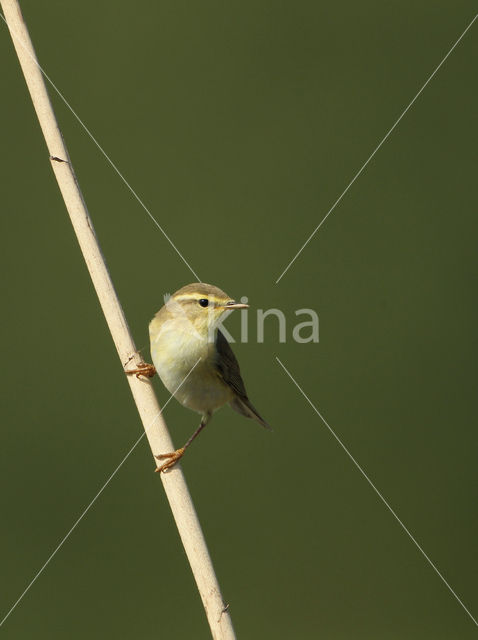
(144,369)
(171,459)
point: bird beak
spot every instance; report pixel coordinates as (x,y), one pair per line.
(232,304)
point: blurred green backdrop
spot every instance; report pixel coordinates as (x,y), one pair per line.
(239,124)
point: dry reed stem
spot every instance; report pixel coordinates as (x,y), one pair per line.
(143,394)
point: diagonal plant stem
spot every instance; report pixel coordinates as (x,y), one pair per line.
(143,394)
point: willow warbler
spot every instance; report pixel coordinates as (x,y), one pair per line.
(193,358)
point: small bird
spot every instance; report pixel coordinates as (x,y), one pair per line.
(193,358)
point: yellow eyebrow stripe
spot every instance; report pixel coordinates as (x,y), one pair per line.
(184,297)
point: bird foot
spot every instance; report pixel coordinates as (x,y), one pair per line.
(144,369)
(171,459)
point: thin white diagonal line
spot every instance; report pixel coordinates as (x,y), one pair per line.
(109,160)
(65,538)
(85,511)
(372,155)
(434,567)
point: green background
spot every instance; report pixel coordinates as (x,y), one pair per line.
(239,124)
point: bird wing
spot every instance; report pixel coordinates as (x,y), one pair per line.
(228,370)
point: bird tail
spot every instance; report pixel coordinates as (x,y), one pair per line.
(245,408)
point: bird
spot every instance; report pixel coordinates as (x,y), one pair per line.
(194,359)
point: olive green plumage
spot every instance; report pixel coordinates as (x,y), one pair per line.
(193,358)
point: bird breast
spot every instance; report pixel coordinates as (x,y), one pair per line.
(185,362)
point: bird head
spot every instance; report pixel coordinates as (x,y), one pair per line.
(202,305)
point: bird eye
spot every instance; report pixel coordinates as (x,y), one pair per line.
(204,302)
